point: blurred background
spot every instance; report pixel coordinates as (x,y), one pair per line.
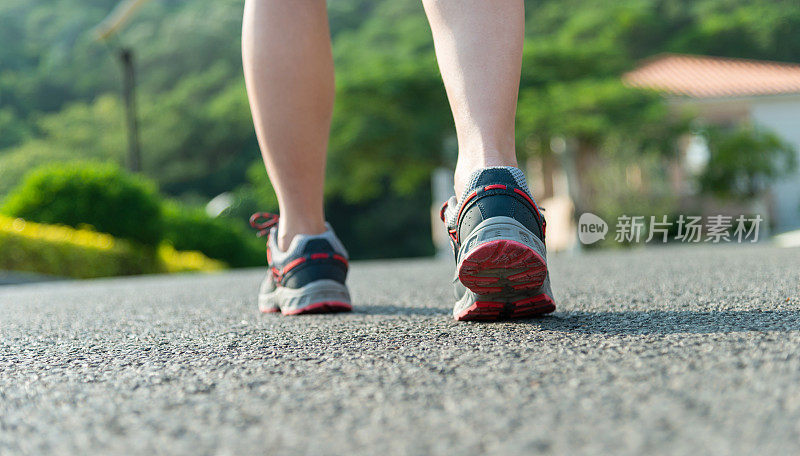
(126,143)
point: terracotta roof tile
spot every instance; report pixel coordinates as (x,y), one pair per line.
(712,77)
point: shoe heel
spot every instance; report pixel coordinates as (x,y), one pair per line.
(502,256)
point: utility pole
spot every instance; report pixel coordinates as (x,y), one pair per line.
(104,31)
(129,96)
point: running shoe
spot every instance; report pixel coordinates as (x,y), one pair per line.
(497,234)
(309,277)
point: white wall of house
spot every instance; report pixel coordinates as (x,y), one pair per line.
(782,116)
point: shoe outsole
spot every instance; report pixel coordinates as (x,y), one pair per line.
(315,308)
(502,266)
(321,296)
(482,310)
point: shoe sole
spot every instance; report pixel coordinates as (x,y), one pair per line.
(322,296)
(501,256)
(482,310)
(320,307)
(503,266)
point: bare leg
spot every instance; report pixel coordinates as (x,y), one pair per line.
(479,48)
(288,70)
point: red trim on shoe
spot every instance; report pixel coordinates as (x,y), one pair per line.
(494,186)
(292,264)
(493,310)
(320,307)
(276,275)
(279,274)
(340,258)
(486,188)
(535,207)
(525,195)
(453,235)
(463,205)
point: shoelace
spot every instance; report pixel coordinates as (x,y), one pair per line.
(263,222)
(441,211)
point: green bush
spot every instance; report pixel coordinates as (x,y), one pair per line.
(81,253)
(218,238)
(744,160)
(67,260)
(85,193)
(67,252)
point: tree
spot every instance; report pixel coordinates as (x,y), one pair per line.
(744,160)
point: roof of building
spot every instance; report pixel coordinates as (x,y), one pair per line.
(714,77)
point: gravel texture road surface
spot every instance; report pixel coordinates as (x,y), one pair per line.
(657,351)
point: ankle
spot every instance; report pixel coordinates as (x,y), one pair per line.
(464,169)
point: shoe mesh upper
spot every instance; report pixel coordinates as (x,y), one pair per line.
(453,205)
(516,173)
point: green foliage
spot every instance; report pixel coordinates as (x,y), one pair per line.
(13,130)
(196,134)
(219,238)
(81,253)
(99,195)
(66,260)
(393,227)
(391,115)
(626,182)
(199,137)
(592,111)
(79,132)
(65,252)
(112,201)
(59,90)
(388,227)
(743,160)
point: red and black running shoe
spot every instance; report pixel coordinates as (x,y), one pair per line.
(309,277)
(497,233)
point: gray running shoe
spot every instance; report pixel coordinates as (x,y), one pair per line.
(497,233)
(309,277)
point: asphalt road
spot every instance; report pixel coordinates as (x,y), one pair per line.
(662,351)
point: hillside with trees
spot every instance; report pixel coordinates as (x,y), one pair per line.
(59,95)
